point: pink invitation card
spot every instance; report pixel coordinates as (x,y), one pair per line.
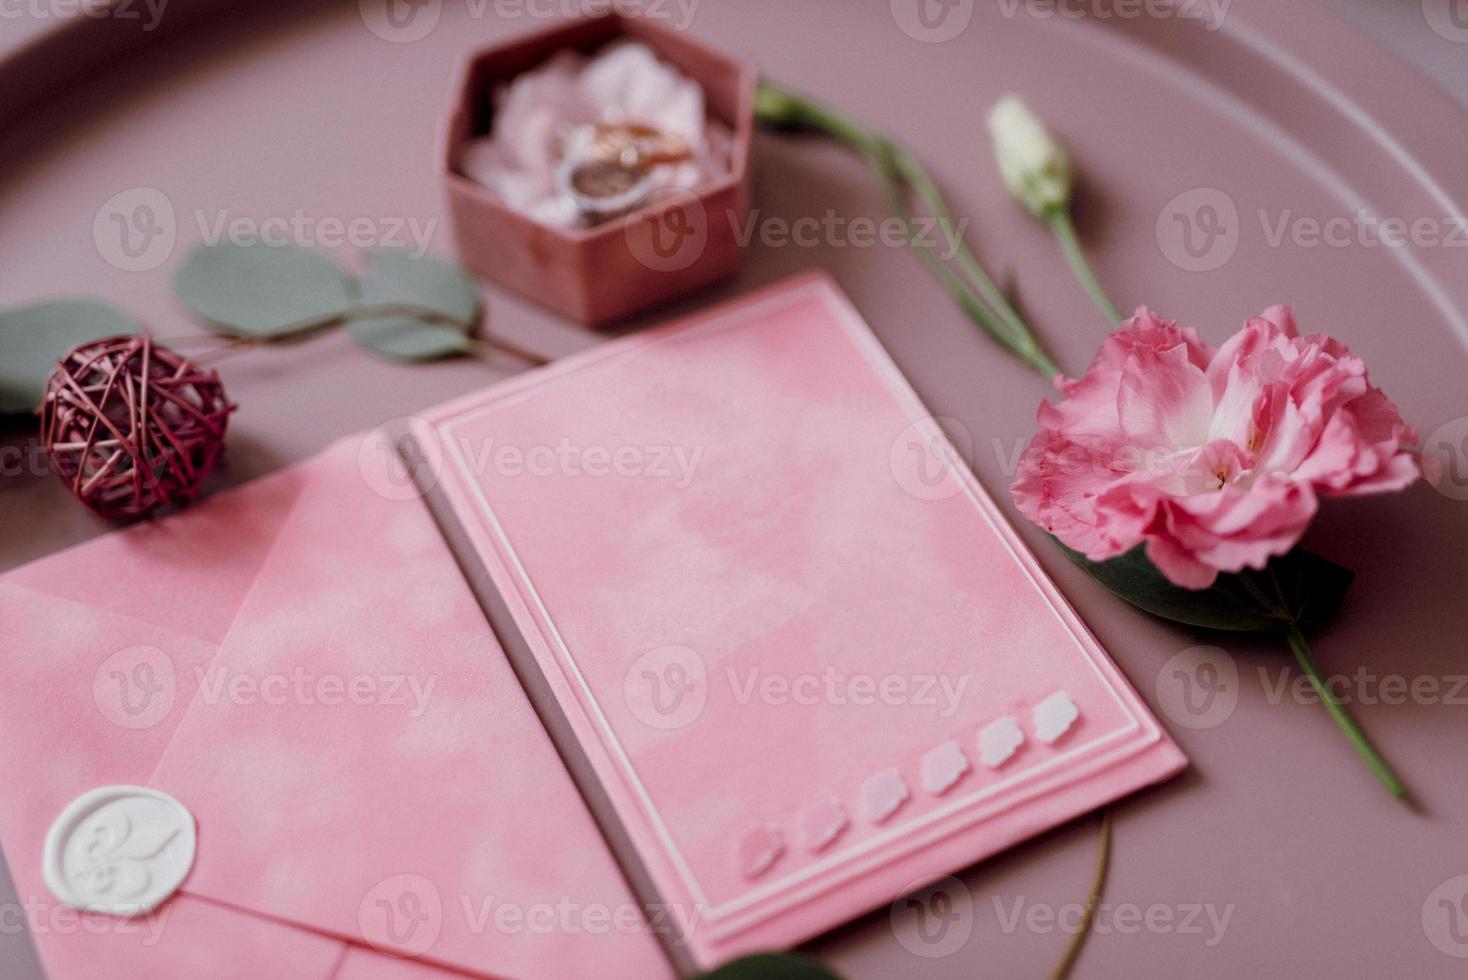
(798,660)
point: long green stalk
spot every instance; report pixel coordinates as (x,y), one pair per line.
(902,175)
(1070,246)
(1343,719)
(1279,606)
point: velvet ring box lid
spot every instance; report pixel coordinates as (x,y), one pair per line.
(676,242)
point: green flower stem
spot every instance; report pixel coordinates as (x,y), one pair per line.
(1065,232)
(1279,607)
(1342,717)
(911,170)
(1093,901)
(900,172)
(1020,343)
(780,107)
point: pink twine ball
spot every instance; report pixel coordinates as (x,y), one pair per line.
(132,427)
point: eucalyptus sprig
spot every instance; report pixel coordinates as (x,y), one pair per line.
(404,306)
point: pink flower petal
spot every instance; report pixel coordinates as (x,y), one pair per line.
(1164,399)
(1214,460)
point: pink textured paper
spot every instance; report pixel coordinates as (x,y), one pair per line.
(365,964)
(336,795)
(189,571)
(444,828)
(60,736)
(821,530)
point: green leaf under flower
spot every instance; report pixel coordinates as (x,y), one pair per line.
(33,338)
(1290,595)
(1305,590)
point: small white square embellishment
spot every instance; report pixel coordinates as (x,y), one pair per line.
(1054,716)
(821,823)
(759,849)
(882,794)
(999,740)
(942,767)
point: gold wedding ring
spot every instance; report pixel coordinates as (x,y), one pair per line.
(607,169)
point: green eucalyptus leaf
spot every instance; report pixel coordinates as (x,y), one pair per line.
(396,276)
(1303,588)
(445,299)
(770,966)
(262,290)
(405,338)
(33,338)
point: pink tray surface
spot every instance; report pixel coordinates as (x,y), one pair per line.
(1276,114)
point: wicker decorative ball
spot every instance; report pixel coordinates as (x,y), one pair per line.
(132,427)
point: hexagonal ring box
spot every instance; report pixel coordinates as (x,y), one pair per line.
(675,242)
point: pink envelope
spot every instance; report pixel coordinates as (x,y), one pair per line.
(320,689)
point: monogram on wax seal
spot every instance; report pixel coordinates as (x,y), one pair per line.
(122,850)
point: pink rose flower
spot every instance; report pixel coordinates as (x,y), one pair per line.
(1214,459)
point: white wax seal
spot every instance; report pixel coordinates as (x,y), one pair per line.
(119,849)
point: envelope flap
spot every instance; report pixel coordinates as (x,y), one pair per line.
(104,645)
(187,573)
(362,760)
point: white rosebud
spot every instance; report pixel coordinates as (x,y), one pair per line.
(1035,168)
